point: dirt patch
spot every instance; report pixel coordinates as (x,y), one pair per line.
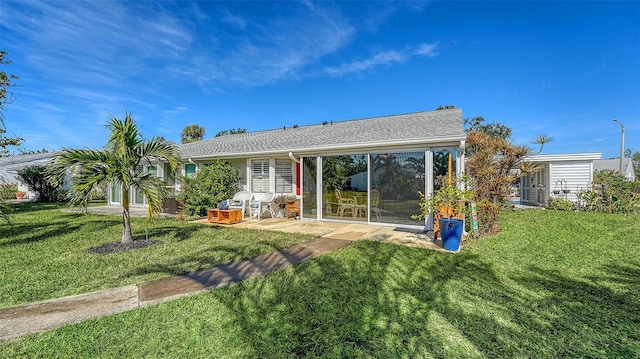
(115,247)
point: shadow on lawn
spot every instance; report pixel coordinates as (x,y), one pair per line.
(383,300)
(221,246)
(23,233)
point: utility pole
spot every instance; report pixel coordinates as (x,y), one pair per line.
(621,147)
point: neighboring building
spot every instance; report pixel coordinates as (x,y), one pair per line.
(367,170)
(559,176)
(614,165)
(10,165)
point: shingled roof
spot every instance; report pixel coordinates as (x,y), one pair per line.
(413,128)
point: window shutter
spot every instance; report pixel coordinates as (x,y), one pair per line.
(284,177)
(260,176)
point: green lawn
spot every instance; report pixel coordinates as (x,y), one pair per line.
(43,251)
(552,284)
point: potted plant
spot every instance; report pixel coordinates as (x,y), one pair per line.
(20,194)
(447,203)
(282,200)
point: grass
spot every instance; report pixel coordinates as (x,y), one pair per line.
(43,251)
(552,284)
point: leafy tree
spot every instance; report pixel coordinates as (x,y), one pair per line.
(494,129)
(192,133)
(214,183)
(6,81)
(37,179)
(230,132)
(121,163)
(446,107)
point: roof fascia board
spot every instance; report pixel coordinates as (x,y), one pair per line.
(366,147)
(564,157)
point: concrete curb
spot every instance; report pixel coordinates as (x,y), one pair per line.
(54,313)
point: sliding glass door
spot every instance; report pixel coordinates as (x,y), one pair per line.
(344,187)
(396,179)
(377,187)
(309,188)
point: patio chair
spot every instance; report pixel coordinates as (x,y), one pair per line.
(345,204)
(258,206)
(361,209)
(240,201)
(375,204)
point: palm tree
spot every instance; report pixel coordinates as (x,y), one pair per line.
(119,163)
(192,133)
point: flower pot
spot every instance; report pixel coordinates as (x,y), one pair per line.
(20,195)
(451,233)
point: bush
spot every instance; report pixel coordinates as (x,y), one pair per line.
(560,204)
(213,184)
(8,190)
(35,176)
(611,193)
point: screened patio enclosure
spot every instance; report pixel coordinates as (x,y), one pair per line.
(370,187)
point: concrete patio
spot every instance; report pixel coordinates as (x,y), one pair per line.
(341,230)
(336,230)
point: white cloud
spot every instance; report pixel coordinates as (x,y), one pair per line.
(427,49)
(87,59)
(384,58)
(235,20)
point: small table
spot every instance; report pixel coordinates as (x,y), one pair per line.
(224,216)
(293,208)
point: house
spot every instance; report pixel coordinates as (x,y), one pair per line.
(10,165)
(559,176)
(613,164)
(391,158)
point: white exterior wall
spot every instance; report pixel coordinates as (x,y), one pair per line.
(569,178)
(561,176)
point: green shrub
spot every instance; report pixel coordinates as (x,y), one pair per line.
(611,193)
(214,183)
(8,190)
(560,204)
(36,178)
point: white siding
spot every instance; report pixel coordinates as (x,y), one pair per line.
(571,176)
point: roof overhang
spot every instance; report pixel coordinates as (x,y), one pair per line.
(590,156)
(342,148)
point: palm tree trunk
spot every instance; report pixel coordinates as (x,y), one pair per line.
(126,217)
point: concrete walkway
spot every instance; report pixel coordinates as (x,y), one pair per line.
(50,314)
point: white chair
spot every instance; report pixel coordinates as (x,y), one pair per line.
(345,204)
(240,201)
(260,205)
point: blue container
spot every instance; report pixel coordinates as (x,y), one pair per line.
(451,233)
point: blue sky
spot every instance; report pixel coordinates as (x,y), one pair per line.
(565,69)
